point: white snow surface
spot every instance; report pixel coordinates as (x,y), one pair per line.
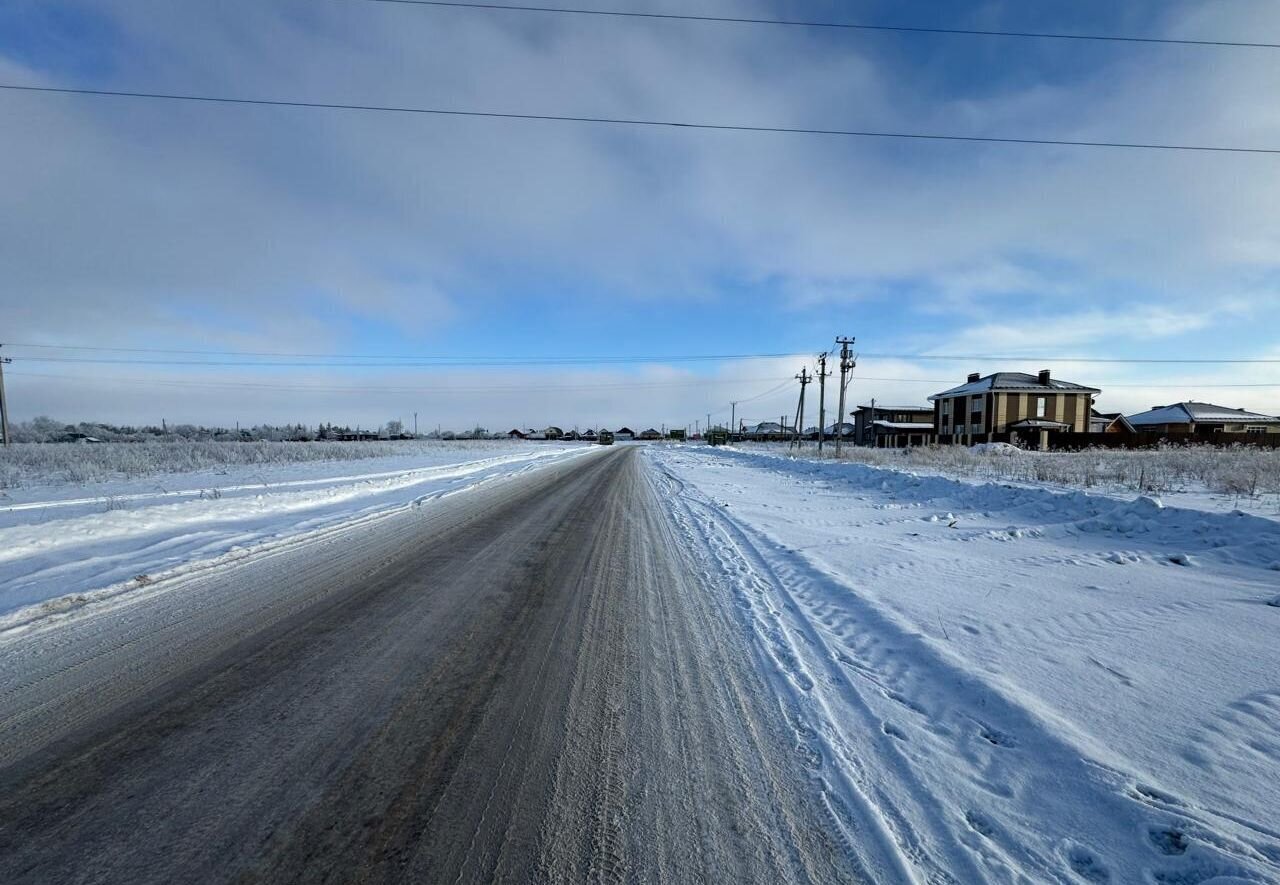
(1008,684)
(64,545)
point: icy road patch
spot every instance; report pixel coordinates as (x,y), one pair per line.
(1007,684)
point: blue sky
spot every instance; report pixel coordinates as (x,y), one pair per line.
(150,224)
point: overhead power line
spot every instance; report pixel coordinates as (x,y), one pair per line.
(637,122)
(829,25)
(424,361)
(1033,358)
(447,388)
(623,385)
(417,358)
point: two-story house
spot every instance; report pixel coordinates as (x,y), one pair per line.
(1012,407)
(893,427)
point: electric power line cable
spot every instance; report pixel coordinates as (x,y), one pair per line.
(370,361)
(830,25)
(637,122)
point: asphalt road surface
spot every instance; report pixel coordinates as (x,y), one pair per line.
(523,683)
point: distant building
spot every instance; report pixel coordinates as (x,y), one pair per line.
(847,430)
(1012,407)
(553,433)
(1109,422)
(624,433)
(650,434)
(1193,417)
(893,427)
(589,435)
(768,431)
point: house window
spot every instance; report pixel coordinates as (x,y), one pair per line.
(1039,407)
(1255,429)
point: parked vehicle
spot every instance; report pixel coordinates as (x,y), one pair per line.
(605,438)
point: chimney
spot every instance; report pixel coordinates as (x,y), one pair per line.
(1044,376)
(973,376)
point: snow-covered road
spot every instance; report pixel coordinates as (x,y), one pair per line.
(1008,685)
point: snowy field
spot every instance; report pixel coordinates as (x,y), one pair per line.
(27,464)
(1201,476)
(64,542)
(1019,684)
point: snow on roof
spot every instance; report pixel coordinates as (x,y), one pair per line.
(1185,413)
(904,425)
(880,408)
(1040,423)
(1012,381)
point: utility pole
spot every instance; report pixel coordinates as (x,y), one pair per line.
(415,425)
(822,399)
(4,403)
(708,422)
(846,368)
(733,420)
(804,378)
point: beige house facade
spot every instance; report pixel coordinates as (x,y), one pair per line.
(1012,407)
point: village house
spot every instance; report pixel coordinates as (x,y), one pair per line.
(1012,407)
(1109,422)
(1193,417)
(650,434)
(893,426)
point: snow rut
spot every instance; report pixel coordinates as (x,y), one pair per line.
(932,771)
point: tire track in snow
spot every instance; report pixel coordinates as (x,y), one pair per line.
(955,715)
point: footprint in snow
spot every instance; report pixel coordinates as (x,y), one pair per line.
(893,731)
(996,738)
(1168,840)
(1084,862)
(980,824)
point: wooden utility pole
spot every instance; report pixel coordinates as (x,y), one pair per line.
(804,378)
(733,420)
(846,367)
(822,399)
(4,403)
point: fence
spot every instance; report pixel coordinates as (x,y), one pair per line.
(1144,440)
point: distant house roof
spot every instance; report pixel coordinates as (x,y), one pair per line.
(1199,413)
(1016,381)
(766,427)
(904,425)
(627,430)
(1106,419)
